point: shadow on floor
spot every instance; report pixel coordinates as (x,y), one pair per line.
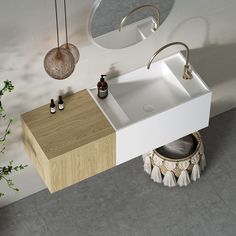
(219,138)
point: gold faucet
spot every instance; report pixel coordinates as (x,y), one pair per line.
(156,24)
(187,72)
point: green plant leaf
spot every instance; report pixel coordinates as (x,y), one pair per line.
(5,171)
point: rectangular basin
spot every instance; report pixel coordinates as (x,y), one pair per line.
(154,107)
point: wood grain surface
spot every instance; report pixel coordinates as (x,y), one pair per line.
(80,123)
(72,144)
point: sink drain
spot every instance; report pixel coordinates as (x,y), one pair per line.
(148,108)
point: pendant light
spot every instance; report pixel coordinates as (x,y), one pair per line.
(68,46)
(59,63)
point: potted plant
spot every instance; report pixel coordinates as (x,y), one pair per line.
(6,171)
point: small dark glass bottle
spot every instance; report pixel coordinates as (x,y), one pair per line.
(52,107)
(60,103)
(102,88)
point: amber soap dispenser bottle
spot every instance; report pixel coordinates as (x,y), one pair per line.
(102,88)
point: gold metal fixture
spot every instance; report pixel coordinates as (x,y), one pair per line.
(187,72)
(156,24)
(69,46)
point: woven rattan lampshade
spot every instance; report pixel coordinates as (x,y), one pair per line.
(59,63)
(73,50)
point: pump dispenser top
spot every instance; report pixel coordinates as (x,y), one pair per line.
(102,79)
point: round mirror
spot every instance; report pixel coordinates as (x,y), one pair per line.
(120,24)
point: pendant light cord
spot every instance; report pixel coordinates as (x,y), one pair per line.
(58,43)
(66,22)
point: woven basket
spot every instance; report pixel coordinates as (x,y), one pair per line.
(177,166)
(197,152)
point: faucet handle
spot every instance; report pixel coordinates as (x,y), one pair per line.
(187,73)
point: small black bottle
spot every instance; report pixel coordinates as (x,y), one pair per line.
(60,103)
(52,107)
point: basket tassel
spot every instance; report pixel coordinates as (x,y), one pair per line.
(144,156)
(169,179)
(203,162)
(183,178)
(195,172)
(156,175)
(147,165)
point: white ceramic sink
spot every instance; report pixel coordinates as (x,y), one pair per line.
(129,35)
(154,107)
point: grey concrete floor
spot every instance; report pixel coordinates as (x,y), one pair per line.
(125,202)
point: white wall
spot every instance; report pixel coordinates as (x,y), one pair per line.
(27,32)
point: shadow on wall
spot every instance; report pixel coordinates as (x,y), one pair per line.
(216,65)
(198,23)
(113,72)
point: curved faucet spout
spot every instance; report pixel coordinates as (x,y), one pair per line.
(156,25)
(187,73)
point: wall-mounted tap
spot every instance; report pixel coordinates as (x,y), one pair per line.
(187,72)
(156,24)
